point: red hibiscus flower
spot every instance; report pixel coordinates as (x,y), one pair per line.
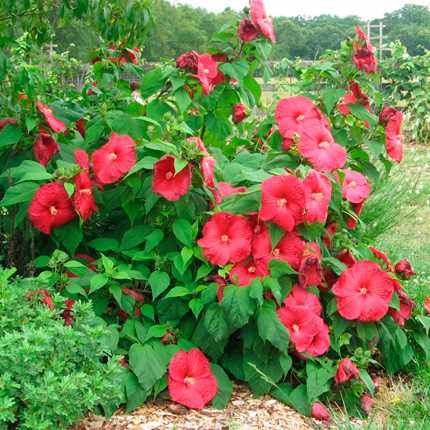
(224,189)
(190,379)
(247,30)
(394,139)
(54,123)
(319,148)
(367,403)
(45,148)
(207,166)
(321,342)
(46,298)
(135,294)
(290,248)
(404,269)
(382,256)
(7,121)
(83,198)
(245,272)
(317,197)
(302,325)
(363,292)
(406,305)
(346,370)
(283,201)
(386,114)
(226,239)
(188,60)
(310,271)
(346,258)
(208,73)
(355,187)
(261,21)
(80,126)
(168,184)
(364,53)
(68,312)
(239,113)
(300,297)
(356,96)
(320,412)
(50,207)
(291,115)
(114,160)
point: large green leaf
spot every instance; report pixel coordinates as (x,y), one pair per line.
(238,305)
(225,387)
(20,193)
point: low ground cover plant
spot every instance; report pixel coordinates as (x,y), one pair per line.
(217,239)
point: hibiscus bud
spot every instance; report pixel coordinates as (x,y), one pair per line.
(346,370)
(386,114)
(367,403)
(377,380)
(123,363)
(136,295)
(239,113)
(168,339)
(427,305)
(247,31)
(404,269)
(134,85)
(320,412)
(207,167)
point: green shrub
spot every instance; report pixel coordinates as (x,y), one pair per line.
(51,374)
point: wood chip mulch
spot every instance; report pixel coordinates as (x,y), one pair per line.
(243,413)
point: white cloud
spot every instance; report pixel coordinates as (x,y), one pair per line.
(363,8)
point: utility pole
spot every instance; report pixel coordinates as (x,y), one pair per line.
(380,36)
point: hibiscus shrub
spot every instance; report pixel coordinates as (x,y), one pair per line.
(203,226)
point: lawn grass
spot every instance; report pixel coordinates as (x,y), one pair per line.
(404,403)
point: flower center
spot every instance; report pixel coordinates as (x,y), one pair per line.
(53,210)
(276,252)
(224,238)
(300,117)
(324,144)
(206,71)
(189,380)
(281,203)
(112,156)
(317,196)
(252,269)
(295,328)
(352,184)
(169,175)
(363,291)
(86,191)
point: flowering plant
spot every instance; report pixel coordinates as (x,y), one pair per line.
(204,227)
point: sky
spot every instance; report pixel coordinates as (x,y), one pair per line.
(362,8)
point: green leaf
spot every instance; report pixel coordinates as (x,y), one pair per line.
(98,281)
(10,135)
(331,97)
(180,165)
(237,305)
(237,70)
(270,327)
(148,363)
(183,100)
(365,377)
(70,235)
(276,234)
(183,231)
(146,163)
(360,112)
(158,281)
(152,82)
(280,268)
(177,292)
(395,302)
(225,387)
(104,244)
(286,363)
(299,400)
(156,331)
(20,193)
(134,237)
(30,171)
(215,322)
(153,239)
(318,379)
(196,306)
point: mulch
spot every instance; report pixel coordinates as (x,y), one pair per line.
(243,413)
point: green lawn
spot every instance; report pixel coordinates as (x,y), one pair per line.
(404,403)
